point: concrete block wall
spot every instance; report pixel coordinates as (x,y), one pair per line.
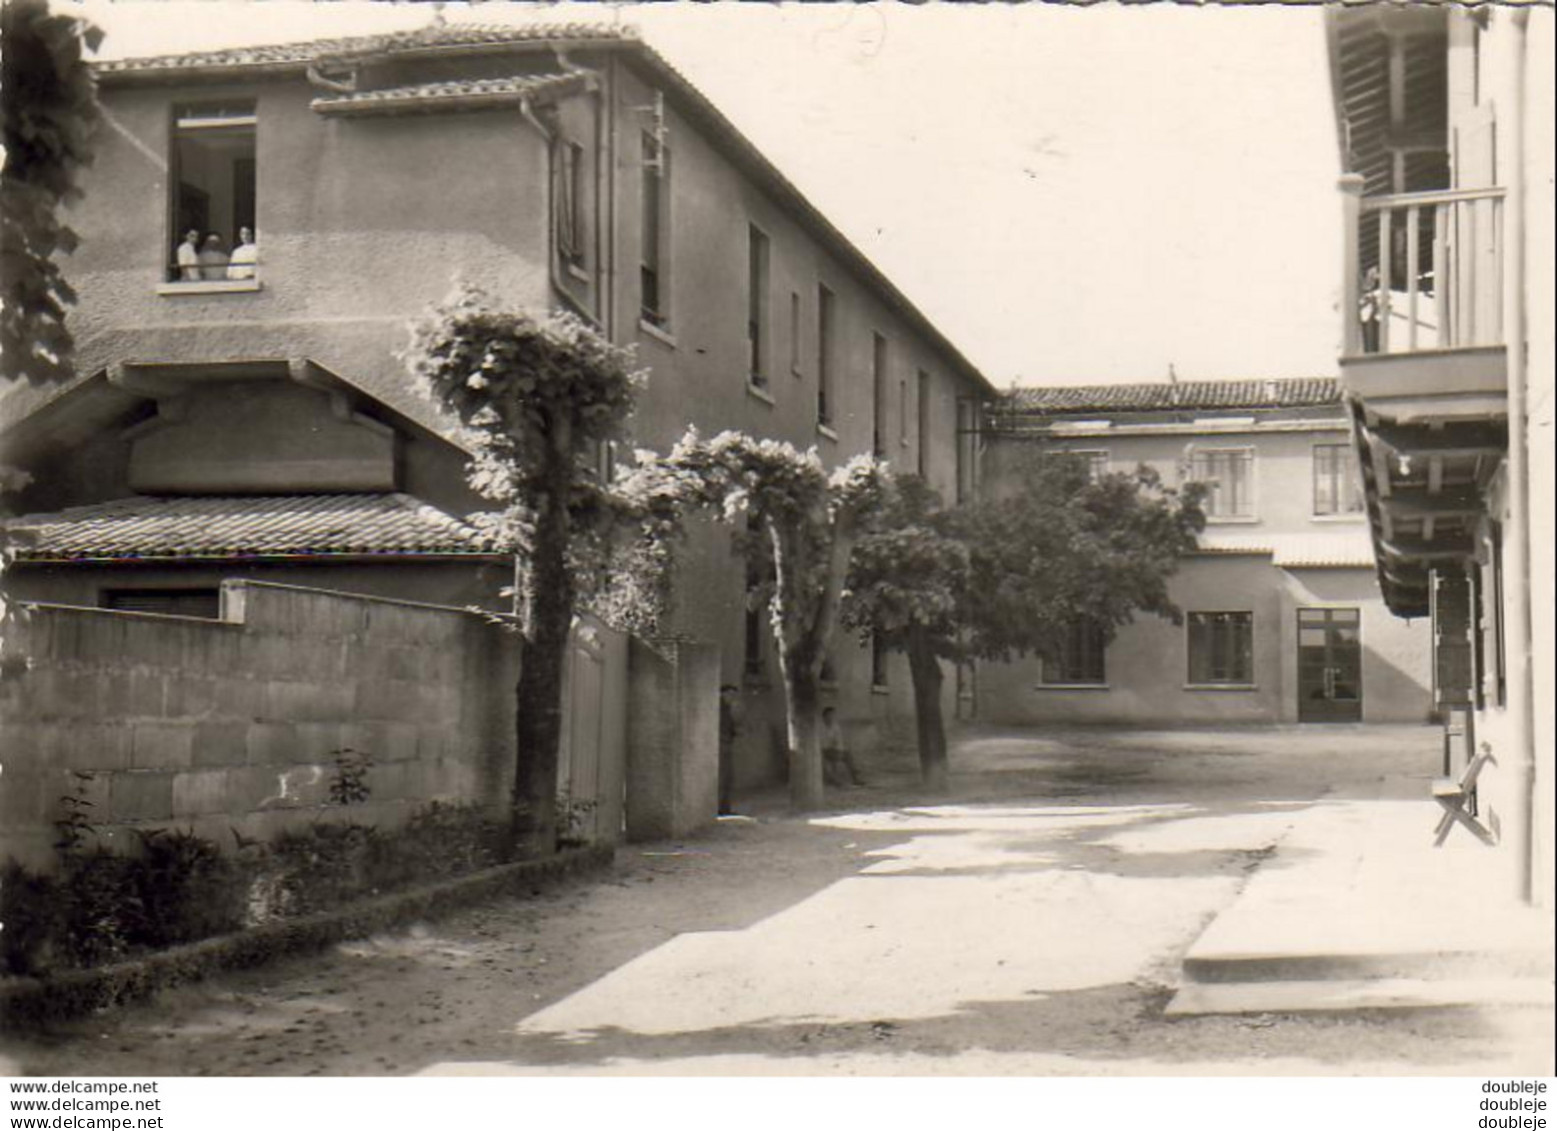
(672,738)
(230,725)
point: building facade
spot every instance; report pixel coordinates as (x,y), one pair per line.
(1282,620)
(1445,120)
(261,224)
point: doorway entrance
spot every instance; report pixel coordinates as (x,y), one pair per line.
(1329,666)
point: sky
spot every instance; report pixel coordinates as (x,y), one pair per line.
(1073,195)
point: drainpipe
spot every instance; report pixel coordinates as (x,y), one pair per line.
(348,85)
(1516,558)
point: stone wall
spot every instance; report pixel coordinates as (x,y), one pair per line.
(232,725)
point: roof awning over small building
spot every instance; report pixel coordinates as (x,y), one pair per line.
(206,528)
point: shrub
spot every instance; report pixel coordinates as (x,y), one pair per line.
(102,907)
(189,890)
(439,840)
(30,909)
(181,888)
(310,869)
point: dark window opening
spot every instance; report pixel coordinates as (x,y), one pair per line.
(922,455)
(651,298)
(824,356)
(572,224)
(757,306)
(1077,656)
(878,662)
(878,361)
(205,603)
(1221,648)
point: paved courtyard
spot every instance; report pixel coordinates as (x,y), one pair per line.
(1031,923)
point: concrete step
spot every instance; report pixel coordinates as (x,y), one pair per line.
(1197,998)
(1204,965)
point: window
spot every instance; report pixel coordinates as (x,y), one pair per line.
(878,369)
(653,307)
(922,456)
(757,305)
(794,332)
(1221,648)
(572,224)
(878,662)
(824,356)
(214,178)
(1077,657)
(1229,472)
(1096,460)
(168,602)
(1335,480)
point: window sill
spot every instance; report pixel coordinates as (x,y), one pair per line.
(1356,517)
(880,689)
(1221,687)
(760,392)
(1231,519)
(210,287)
(664,337)
(824,430)
(1072,687)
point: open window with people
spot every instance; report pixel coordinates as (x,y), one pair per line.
(214,181)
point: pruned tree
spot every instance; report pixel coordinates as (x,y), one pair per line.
(50,109)
(907,587)
(1008,575)
(805,520)
(538,397)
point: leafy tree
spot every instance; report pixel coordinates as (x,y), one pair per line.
(50,109)
(805,521)
(908,587)
(538,397)
(1007,575)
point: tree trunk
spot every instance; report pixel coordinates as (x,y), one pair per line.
(925,669)
(802,708)
(538,696)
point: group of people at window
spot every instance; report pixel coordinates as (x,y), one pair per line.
(208,258)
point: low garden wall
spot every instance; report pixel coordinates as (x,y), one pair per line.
(236,726)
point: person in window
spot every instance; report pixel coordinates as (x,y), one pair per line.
(189,256)
(213,258)
(244,256)
(838,768)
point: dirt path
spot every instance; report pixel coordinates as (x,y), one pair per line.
(1030,924)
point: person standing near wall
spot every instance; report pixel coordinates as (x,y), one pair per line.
(729,731)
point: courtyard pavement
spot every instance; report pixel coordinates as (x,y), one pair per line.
(1036,921)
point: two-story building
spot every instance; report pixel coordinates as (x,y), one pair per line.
(1445,120)
(1282,621)
(259,227)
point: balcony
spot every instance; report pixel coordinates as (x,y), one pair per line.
(1424,304)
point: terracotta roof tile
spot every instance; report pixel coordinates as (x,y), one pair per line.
(244,526)
(297,54)
(1160,396)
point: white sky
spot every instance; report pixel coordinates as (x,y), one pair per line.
(1073,195)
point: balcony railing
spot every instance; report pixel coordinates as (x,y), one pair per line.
(1424,271)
